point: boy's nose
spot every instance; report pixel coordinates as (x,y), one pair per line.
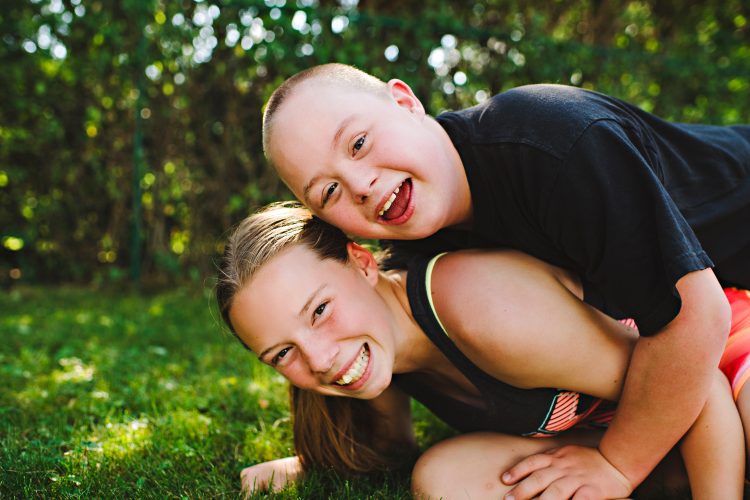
(360,184)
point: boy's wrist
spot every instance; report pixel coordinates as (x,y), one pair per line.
(632,474)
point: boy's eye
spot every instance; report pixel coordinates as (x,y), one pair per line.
(329,190)
(275,360)
(358,144)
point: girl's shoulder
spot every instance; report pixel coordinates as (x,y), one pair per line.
(502,269)
(479,291)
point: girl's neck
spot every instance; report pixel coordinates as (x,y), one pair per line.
(414,350)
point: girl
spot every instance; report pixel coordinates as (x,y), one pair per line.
(480,337)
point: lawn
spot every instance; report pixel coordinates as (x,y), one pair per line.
(114,394)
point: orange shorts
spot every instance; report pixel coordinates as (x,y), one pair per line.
(735,362)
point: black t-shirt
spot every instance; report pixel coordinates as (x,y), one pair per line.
(597,186)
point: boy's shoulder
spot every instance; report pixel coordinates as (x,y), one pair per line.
(533,112)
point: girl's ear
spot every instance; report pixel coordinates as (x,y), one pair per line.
(363,260)
(405,97)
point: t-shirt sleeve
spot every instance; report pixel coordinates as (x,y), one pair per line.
(609,212)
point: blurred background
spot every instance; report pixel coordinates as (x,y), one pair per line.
(130,130)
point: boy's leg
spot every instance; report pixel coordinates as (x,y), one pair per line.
(743,405)
(714,448)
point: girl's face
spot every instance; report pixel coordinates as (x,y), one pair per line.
(320,323)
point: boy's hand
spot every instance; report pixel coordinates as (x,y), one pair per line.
(569,472)
(270,476)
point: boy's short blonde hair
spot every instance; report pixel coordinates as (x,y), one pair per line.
(332,73)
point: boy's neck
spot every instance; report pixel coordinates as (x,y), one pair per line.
(462,210)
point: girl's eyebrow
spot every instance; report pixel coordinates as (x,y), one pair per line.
(311,298)
(263,354)
(301,313)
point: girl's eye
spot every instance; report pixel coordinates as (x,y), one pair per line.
(275,360)
(359,143)
(320,309)
(329,192)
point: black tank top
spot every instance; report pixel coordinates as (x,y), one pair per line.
(507,409)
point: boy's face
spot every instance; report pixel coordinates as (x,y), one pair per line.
(374,165)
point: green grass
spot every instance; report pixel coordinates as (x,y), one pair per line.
(112,394)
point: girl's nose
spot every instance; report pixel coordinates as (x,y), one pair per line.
(321,354)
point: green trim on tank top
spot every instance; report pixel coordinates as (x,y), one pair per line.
(428,285)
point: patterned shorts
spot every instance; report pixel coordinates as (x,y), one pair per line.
(735,362)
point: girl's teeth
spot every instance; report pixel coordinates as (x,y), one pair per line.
(357,369)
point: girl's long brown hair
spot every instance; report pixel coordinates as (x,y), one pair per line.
(329,432)
(335,433)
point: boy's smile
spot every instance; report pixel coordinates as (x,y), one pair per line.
(372,164)
(398,207)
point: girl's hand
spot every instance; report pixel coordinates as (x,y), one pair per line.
(273,475)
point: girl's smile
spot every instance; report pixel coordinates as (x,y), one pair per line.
(358,371)
(319,322)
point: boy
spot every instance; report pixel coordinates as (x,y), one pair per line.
(632,204)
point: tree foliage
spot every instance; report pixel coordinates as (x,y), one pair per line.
(75,85)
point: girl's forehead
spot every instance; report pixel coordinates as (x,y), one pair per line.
(277,299)
(292,271)
(271,294)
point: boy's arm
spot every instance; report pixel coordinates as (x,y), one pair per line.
(713,449)
(666,386)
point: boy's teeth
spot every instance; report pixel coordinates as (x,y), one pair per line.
(356,370)
(390,201)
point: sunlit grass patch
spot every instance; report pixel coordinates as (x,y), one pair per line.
(266,440)
(73,370)
(113,395)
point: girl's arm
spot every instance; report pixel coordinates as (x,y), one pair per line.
(394,431)
(524,322)
(273,475)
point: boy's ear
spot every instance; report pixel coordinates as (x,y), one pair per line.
(404,96)
(363,260)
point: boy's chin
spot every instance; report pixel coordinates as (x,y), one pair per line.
(408,231)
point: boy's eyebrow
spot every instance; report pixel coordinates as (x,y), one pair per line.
(301,312)
(307,188)
(334,143)
(344,123)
